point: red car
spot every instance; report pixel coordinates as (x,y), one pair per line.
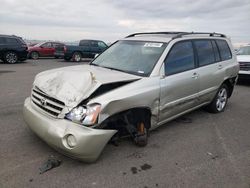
(45,49)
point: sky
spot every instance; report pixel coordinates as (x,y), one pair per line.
(110,20)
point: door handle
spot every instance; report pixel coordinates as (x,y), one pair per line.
(220,67)
(195,75)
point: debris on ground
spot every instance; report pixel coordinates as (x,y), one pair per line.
(146,166)
(212,155)
(135,170)
(184,120)
(49,164)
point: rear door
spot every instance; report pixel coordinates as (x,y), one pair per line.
(210,68)
(180,86)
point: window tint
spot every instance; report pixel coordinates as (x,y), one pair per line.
(205,52)
(93,44)
(216,51)
(47,45)
(225,52)
(180,58)
(84,43)
(102,45)
(11,40)
(2,40)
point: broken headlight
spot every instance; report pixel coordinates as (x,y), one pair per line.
(85,115)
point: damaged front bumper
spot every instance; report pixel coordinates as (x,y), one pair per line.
(69,138)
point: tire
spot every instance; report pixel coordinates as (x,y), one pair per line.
(34,55)
(220,100)
(10,57)
(77,56)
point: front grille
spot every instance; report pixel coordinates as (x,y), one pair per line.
(245,66)
(48,104)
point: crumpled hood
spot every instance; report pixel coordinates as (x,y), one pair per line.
(73,84)
(243,58)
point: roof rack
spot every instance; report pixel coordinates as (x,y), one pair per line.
(200,33)
(156,33)
(178,34)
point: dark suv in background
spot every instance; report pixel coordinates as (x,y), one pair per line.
(85,49)
(12,49)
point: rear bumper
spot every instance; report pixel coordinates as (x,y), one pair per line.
(89,142)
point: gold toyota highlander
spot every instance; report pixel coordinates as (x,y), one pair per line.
(137,84)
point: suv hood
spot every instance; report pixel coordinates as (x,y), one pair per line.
(243,58)
(73,84)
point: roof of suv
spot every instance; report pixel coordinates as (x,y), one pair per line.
(167,36)
(12,36)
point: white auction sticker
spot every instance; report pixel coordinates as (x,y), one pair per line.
(153,45)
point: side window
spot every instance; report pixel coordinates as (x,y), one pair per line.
(225,52)
(84,43)
(47,45)
(216,51)
(205,52)
(94,44)
(180,58)
(2,40)
(11,41)
(102,45)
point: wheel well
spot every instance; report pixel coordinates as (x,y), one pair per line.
(33,52)
(230,82)
(134,115)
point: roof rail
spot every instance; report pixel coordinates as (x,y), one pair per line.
(156,33)
(178,34)
(200,33)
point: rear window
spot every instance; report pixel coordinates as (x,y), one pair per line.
(205,52)
(84,43)
(11,41)
(225,52)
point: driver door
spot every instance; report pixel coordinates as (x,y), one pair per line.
(180,85)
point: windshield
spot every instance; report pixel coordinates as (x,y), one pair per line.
(134,57)
(244,50)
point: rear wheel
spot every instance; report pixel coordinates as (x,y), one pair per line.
(220,101)
(34,55)
(77,57)
(10,57)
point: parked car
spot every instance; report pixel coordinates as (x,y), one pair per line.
(243,56)
(12,49)
(137,84)
(86,49)
(44,49)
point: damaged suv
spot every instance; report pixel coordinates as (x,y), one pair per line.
(137,84)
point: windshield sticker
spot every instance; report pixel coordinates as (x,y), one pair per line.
(140,72)
(153,45)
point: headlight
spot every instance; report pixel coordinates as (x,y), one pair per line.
(85,115)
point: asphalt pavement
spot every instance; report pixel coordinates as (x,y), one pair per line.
(199,150)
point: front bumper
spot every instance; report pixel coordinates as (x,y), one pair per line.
(244,75)
(89,142)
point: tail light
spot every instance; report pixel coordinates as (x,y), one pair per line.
(64,49)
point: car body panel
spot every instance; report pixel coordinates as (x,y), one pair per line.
(73,84)
(89,142)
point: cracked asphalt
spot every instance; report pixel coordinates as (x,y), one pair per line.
(208,150)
